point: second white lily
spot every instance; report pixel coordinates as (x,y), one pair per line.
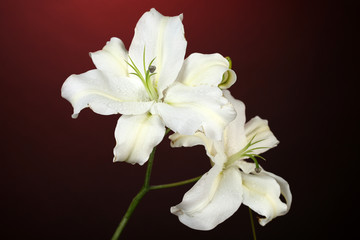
(232,180)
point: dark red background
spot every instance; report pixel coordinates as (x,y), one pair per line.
(295,63)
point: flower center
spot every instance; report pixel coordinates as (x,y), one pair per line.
(247,152)
(147,80)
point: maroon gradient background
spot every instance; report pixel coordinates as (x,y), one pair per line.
(295,63)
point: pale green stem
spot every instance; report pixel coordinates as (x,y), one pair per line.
(252,224)
(136,199)
(129,212)
(149,169)
(145,188)
(175,184)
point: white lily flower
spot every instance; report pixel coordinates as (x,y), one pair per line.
(153,87)
(232,180)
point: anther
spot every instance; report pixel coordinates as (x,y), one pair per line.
(152,69)
(258,169)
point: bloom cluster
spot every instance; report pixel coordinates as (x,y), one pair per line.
(154,87)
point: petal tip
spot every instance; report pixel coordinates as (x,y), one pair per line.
(176,211)
(262,221)
(229,78)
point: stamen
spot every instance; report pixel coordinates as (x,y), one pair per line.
(152,69)
(253,157)
(247,152)
(146,80)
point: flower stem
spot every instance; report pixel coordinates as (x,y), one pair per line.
(252,224)
(149,169)
(175,184)
(129,212)
(145,188)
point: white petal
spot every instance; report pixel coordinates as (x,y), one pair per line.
(229,78)
(246,167)
(163,39)
(112,58)
(105,94)
(213,148)
(213,199)
(284,188)
(199,138)
(262,194)
(203,69)
(234,134)
(188,109)
(136,136)
(260,129)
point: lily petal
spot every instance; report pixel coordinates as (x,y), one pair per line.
(199,138)
(234,135)
(262,194)
(213,148)
(229,78)
(213,199)
(246,167)
(188,109)
(163,39)
(260,129)
(284,188)
(136,136)
(112,58)
(203,69)
(105,94)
